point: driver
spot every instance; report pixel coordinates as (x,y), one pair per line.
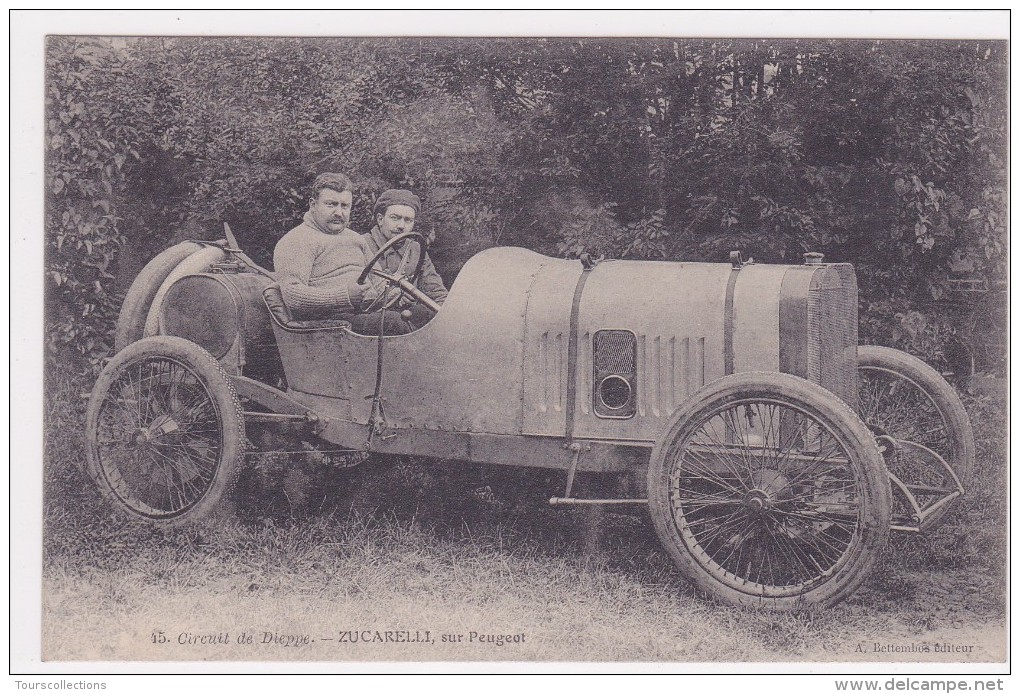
(395,212)
(318,263)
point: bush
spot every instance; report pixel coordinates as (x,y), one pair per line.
(89,141)
(888,155)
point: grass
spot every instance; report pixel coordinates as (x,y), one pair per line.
(406,546)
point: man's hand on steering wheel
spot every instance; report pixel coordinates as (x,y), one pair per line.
(405,284)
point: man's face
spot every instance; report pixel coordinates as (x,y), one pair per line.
(397,219)
(332,209)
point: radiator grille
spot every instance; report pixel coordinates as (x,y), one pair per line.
(614,351)
(832,332)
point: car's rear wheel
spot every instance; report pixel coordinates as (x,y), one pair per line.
(766,490)
(164,431)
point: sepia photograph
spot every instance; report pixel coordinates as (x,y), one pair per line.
(672,348)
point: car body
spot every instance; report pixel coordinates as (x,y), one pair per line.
(724,393)
(524,341)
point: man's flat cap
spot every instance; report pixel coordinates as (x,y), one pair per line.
(397,196)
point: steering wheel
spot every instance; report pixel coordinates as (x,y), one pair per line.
(405,284)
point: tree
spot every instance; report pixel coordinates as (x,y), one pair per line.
(889,155)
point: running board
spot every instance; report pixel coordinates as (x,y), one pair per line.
(571,501)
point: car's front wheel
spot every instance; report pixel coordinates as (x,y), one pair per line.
(923,428)
(766,490)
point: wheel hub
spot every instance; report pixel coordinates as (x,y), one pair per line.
(757,501)
(159,427)
(768,488)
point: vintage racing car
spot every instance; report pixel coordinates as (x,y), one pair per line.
(773,453)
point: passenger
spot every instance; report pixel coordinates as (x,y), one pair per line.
(395,214)
(319,261)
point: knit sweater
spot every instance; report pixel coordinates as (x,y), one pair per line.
(318,270)
(402,259)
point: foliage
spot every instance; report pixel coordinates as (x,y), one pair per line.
(90,138)
(889,155)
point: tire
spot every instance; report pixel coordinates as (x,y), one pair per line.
(768,491)
(131,321)
(902,397)
(164,432)
(200,261)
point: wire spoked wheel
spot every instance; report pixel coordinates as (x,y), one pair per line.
(769,491)
(922,428)
(164,431)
